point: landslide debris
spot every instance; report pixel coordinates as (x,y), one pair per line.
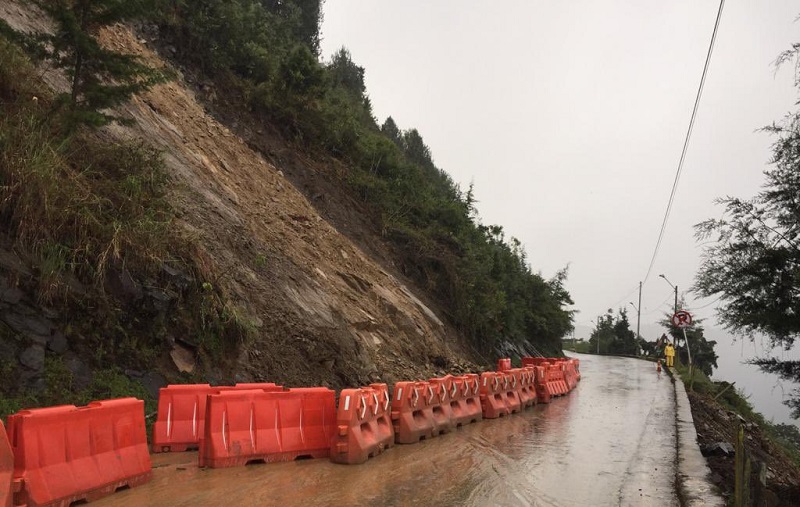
(324,312)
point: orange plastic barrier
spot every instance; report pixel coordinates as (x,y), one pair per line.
(527,396)
(570,377)
(439,399)
(540,383)
(67,454)
(511,392)
(363,423)
(6,469)
(182,411)
(244,426)
(493,402)
(504,364)
(555,380)
(465,400)
(533,361)
(412,416)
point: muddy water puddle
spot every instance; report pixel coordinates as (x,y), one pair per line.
(610,442)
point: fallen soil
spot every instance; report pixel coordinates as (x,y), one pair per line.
(716,424)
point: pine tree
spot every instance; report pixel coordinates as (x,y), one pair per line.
(99,77)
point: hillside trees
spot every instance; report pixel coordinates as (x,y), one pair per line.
(614,335)
(99,77)
(753,261)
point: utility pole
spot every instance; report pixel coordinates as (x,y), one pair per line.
(639,312)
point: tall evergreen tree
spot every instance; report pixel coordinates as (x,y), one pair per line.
(99,77)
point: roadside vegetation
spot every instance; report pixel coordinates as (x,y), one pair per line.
(751,260)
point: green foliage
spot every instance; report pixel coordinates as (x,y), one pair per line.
(753,261)
(99,78)
(614,335)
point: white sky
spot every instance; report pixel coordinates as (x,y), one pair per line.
(569,116)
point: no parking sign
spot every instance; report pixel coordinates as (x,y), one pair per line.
(682,319)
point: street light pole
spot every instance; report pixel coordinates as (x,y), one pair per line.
(674,287)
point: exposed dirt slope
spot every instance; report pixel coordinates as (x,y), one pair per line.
(323,311)
(715,424)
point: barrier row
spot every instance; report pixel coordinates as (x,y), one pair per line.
(66,454)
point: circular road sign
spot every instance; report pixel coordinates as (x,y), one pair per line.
(682,319)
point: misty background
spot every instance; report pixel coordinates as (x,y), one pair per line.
(570,117)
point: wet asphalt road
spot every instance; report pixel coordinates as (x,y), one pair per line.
(610,442)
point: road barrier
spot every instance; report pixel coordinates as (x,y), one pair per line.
(527,394)
(363,423)
(6,469)
(540,383)
(181,414)
(465,400)
(246,426)
(412,417)
(504,364)
(511,392)
(438,393)
(69,454)
(493,402)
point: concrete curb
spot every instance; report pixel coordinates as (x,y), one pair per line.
(695,487)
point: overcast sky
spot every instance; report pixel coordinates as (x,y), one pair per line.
(570,116)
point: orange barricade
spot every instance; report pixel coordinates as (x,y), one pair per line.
(555,380)
(67,454)
(412,417)
(465,400)
(527,398)
(439,399)
(493,402)
(569,374)
(511,392)
(6,469)
(244,426)
(182,411)
(363,423)
(504,364)
(540,383)
(534,361)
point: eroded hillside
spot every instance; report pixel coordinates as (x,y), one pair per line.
(320,311)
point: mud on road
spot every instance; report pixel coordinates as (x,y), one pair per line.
(610,442)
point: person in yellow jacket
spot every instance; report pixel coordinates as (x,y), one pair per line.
(669,352)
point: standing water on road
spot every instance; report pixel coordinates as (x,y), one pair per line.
(610,442)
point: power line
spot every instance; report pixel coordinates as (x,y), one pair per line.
(686,142)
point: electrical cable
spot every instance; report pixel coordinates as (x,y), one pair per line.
(686,142)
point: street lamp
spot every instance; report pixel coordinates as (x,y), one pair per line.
(676,291)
